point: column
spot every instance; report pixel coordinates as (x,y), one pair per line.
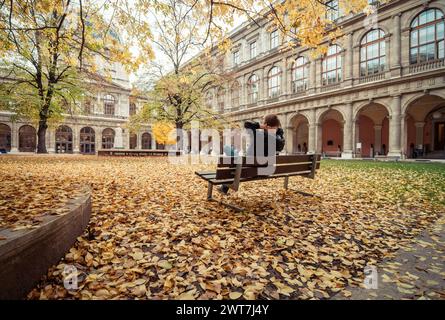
(395,128)
(76,139)
(118,139)
(349,61)
(284,78)
(14,137)
(318,71)
(313,133)
(263,83)
(347,133)
(378,139)
(139,141)
(396,46)
(153,141)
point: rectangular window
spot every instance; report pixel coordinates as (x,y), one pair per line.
(332,10)
(236,58)
(253,52)
(274,39)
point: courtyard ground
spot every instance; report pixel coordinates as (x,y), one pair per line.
(152,235)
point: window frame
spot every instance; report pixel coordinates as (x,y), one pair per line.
(274,39)
(436,42)
(338,70)
(253,95)
(253,48)
(305,79)
(364,44)
(274,90)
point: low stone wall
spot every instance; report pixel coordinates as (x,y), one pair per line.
(26,255)
(138,153)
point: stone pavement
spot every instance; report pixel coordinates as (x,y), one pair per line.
(415,273)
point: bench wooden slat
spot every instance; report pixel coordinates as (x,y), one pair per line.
(280,159)
(249,172)
(275,176)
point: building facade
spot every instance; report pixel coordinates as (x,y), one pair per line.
(379,90)
(101,124)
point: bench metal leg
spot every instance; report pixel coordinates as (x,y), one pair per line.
(286,187)
(286,183)
(210,198)
(209,191)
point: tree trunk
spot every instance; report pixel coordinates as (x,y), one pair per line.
(179,136)
(41,135)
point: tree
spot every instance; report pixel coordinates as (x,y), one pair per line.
(48,46)
(177,87)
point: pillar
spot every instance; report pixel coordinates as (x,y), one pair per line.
(396,46)
(118,139)
(347,133)
(14,137)
(395,128)
(284,78)
(313,132)
(76,139)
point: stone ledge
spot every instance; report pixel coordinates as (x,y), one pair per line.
(26,255)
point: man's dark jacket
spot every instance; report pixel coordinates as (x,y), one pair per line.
(264,135)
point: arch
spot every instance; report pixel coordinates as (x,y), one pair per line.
(133,141)
(331,132)
(87,141)
(146,141)
(372,129)
(407,21)
(108,135)
(27,139)
(358,36)
(300,134)
(5,137)
(425,127)
(64,139)
(370,104)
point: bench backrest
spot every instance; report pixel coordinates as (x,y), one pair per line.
(232,168)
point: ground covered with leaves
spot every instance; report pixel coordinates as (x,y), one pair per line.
(152,235)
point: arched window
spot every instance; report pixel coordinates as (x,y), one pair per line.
(253,88)
(87,141)
(427,37)
(109,104)
(332,66)
(132,109)
(220,99)
(372,53)
(300,71)
(5,137)
(64,140)
(146,140)
(273,81)
(235,94)
(108,138)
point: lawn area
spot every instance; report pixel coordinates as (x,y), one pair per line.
(152,235)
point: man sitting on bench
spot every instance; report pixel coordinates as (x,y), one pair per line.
(259,137)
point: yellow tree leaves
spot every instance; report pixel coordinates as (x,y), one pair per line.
(164,133)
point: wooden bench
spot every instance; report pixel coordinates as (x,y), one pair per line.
(233,171)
